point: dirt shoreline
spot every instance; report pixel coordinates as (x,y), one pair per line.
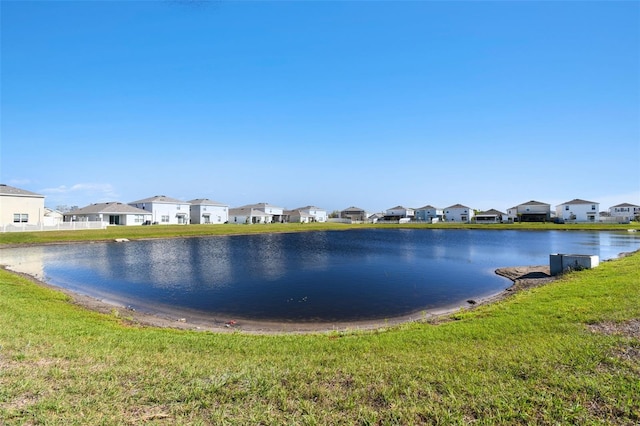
(523,277)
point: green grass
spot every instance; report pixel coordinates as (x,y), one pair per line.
(530,359)
(170,231)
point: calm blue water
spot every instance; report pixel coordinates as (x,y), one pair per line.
(317,276)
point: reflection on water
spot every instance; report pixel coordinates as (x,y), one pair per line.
(315,276)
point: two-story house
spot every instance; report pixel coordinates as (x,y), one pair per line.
(489,216)
(355,214)
(578,211)
(531,211)
(399,213)
(316,213)
(458,213)
(625,211)
(19,207)
(275,213)
(165,210)
(206,211)
(429,213)
(248,215)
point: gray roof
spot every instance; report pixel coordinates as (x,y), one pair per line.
(578,201)
(247,211)
(352,208)
(113,207)
(492,212)
(309,208)
(301,213)
(17,192)
(399,208)
(261,206)
(457,206)
(206,202)
(159,199)
(429,207)
(534,203)
(625,205)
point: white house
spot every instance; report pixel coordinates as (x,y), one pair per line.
(625,211)
(429,213)
(578,210)
(531,211)
(205,211)
(248,215)
(52,217)
(317,214)
(20,207)
(458,213)
(375,217)
(276,213)
(399,212)
(112,213)
(165,210)
(297,216)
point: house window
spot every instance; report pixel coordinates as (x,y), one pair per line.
(165,219)
(178,208)
(20,218)
(219,219)
(566,208)
(593,207)
(138,218)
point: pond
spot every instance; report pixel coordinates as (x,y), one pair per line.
(332,276)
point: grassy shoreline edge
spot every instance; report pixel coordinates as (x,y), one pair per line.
(186,231)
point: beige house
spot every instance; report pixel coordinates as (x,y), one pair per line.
(19,207)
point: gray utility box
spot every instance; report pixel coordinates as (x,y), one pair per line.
(559,263)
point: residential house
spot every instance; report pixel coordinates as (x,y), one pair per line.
(276,213)
(317,214)
(112,213)
(375,217)
(20,207)
(399,213)
(578,210)
(458,213)
(354,214)
(205,211)
(429,213)
(297,216)
(248,215)
(165,210)
(489,216)
(625,212)
(52,217)
(531,211)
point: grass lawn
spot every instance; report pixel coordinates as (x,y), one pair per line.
(564,353)
(170,231)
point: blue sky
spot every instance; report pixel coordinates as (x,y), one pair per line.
(330,103)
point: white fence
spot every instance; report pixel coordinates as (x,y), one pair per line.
(64,226)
